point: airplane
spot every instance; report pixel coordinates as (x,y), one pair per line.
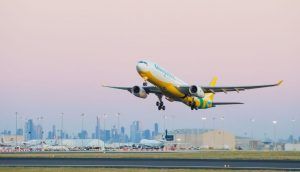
(6,144)
(174,89)
(151,144)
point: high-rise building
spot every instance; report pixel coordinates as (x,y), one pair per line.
(106,135)
(155,132)
(6,132)
(97,129)
(291,139)
(114,134)
(38,132)
(53,132)
(49,135)
(122,135)
(30,130)
(20,132)
(123,130)
(135,134)
(83,134)
(146,134)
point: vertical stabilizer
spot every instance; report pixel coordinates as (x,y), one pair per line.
(213,83)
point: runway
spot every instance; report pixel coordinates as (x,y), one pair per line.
(150,163)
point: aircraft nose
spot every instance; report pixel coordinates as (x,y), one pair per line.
(141,67)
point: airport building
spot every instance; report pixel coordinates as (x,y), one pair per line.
(292,147)
(12,139)
(204,139)
(76,142)
(246,143)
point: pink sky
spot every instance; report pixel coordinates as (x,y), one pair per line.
(55,55)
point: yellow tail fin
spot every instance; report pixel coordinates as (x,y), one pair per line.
(212,84)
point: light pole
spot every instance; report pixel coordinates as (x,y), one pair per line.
(252,120)
(214,118)
(293,128)
(203,119)
(104,138)
(82,118)
(39,127)
(165,118)
(61,127)
(223,128)
(213,122)
(172,122)
(16,139)
(98,136)
(274,130)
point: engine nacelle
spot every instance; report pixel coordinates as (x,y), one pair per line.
(139,92)
(196,91)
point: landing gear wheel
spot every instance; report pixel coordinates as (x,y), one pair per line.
(192,108)
(145,83)
(161,104)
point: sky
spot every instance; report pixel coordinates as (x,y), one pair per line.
(55,55)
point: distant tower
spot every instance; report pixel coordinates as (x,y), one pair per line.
(122,135)
(97,130)
(114,134)
(146,134)
(39,132)
(156,129)
(53,132)
(135,135)
(122,130)
(30,130)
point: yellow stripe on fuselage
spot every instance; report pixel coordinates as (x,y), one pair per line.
(166,87)
(172,91)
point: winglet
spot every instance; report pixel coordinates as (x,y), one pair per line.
(279,82)
(213,82)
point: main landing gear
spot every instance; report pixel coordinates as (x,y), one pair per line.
(160,104)
(193,105)
(194,108)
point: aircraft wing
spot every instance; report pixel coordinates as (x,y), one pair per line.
(148,89)
(236,88)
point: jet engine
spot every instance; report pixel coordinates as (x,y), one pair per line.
(139,92)
(196,91)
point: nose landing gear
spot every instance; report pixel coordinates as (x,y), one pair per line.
(160,104)
(145,83)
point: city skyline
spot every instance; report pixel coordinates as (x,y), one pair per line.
(34,128)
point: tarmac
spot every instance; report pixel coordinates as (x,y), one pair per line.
(152,163)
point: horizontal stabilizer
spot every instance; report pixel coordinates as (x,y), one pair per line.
(226,103)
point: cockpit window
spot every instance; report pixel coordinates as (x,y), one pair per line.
(143,62)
